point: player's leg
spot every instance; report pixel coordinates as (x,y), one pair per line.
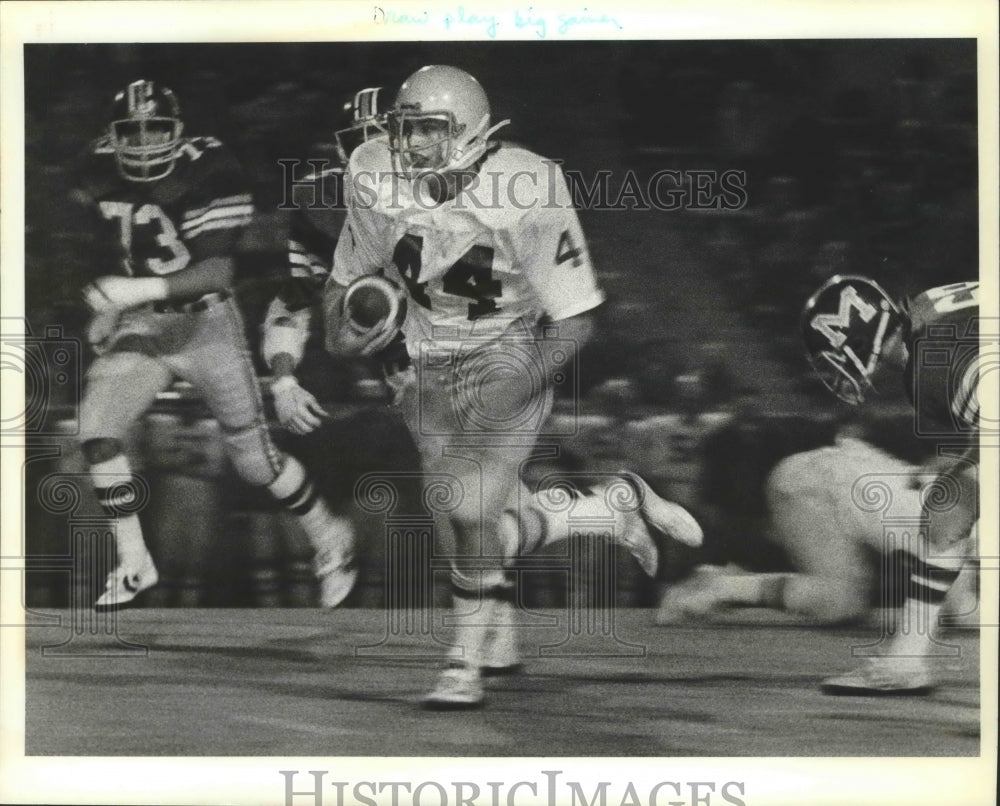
(219,364)
(485,475)
(482,591)
(120,387)
(812,518)
(950,509)
(636,517)
(809,519)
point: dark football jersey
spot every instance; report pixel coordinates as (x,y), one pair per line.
(942,372)
(197,211)
(315,223)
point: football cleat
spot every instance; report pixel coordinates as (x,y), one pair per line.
(660,516)
(336,580)
(693,598)
(883,677)
(124,584)
(458,688)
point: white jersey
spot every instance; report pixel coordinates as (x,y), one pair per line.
(507,249)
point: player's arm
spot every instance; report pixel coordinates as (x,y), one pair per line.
(286,325)
(283,336)
(345,338)
(283,341)
(556,262)
(219,210)
(285,330)
(577,330)
(360,251)
(101,254)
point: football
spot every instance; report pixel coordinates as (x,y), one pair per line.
(372,299)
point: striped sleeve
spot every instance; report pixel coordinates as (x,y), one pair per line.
(218,204)
(310,251)
(222,213)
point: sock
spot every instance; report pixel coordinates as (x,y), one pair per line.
(753,590)
(550,516)
(476,596)
(502,646)
(917,625)
(117,493)
(296,493)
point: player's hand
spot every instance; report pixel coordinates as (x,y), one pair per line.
(378,338)
(112,292)
(297,409)
(345,338)
(97,299)
(102,328)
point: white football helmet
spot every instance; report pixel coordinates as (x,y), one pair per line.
(364,121)
(440,121)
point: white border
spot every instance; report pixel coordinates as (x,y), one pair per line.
(770,782)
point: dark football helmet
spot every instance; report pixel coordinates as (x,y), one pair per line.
(145,131)
(364,122)
(845,325)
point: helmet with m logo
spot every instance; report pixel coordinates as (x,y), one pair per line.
(845,325)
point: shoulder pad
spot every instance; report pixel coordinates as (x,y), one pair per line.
(102,145)
(371,156)
(193,149)
(93,170)
(522,179)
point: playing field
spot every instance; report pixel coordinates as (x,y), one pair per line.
(317,683)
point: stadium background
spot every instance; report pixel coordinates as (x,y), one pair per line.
(860,156)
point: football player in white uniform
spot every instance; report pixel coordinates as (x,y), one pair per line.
(171,209)
(485,239)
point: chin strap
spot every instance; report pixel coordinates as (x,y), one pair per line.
(476,145)
(883,323)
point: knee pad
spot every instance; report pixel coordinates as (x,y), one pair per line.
(254,457)
(101,449)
